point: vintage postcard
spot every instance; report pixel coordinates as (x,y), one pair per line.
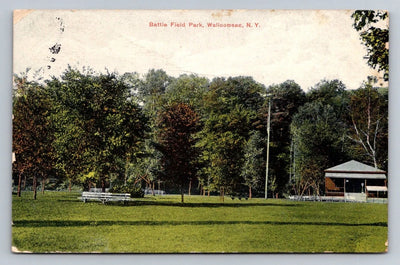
(200,131)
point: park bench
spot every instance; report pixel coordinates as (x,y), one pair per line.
(155,192)
(104,196)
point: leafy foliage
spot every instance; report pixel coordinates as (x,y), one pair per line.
(230,108)
(126,131)
(253,166)
(318,137)
(374,33)
(134,190)
(32,132)
(97,124)
(368,122)
(319,130)
(285,100)
(178,123)
(188,89)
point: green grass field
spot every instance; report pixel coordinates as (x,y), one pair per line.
(59,222)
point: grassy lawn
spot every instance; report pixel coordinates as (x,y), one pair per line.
(59,222)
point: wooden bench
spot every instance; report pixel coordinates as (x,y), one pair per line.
(104,196)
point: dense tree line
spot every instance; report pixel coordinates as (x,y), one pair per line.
(190,134)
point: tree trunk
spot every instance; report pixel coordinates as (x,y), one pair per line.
(190,186)
(19,185)
(103,186)
(89,185)
(208,193)
(250,192)
(34,187)
(126,171)
(152,189)
(24,182)
(222,194)
(43,180)
(70,185)
(182,194)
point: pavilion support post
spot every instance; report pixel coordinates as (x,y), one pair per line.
(344,185)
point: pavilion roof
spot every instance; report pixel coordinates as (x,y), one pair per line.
(355,169)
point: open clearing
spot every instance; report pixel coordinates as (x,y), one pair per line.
(59,222)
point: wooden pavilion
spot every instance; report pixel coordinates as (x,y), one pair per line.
(356,181)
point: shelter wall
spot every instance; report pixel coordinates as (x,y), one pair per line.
(334,187)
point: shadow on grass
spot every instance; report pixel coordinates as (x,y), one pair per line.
(199,204)
(69,201)
(35,223)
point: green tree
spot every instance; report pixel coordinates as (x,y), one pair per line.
(330,92)
(229,114)
(285,100)
(188,89)
(222,142)
(368,119)
(32,133)
(147,167)
(132,81)
(99,124)
(374,33)
(224,94)
(319,138)
(319,134)
(151,91)
(253,166)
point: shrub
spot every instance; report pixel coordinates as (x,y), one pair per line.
(135,191)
